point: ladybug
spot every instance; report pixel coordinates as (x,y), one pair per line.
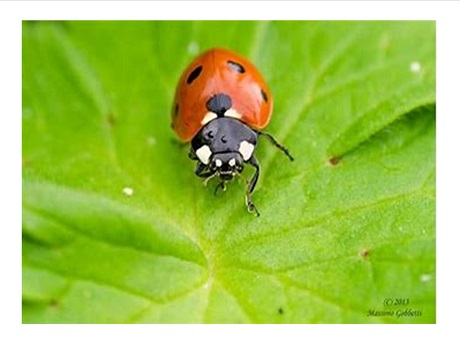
(221,105)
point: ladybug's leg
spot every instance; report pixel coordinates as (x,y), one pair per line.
(202,170)
(252,184)
(221,185)
(272,139)
(192,155)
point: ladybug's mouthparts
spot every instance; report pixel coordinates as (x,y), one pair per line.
(227,175)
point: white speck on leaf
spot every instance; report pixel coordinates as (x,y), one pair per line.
(415,67)
(151,141)
(193,48)
(425,278)
(128,191)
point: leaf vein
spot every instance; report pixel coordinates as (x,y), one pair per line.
(75,230)
(417,193)
(153,299)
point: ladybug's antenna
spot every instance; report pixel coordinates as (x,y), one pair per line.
(272,139)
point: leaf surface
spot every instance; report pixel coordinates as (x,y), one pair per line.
(347,226)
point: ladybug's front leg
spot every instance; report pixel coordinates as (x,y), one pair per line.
(202,170)
(251,186)
(192,155)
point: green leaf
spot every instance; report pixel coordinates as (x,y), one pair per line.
(347,229)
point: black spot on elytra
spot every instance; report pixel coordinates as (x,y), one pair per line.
(176,110)
(236,66)
(264,95)
(219,104)
(194,74)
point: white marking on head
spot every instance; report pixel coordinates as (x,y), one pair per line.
(415,67)
(128,191)
(208,117)
(218,163)
(246,149)
(232,162)
(203,153)
(232,113)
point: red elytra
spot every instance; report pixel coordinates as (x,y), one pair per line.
(220,71)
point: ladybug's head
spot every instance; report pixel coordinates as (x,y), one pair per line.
(222,146)
(226,164)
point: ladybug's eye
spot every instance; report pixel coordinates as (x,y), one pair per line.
(210,134)
(195,73)
(236,66)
